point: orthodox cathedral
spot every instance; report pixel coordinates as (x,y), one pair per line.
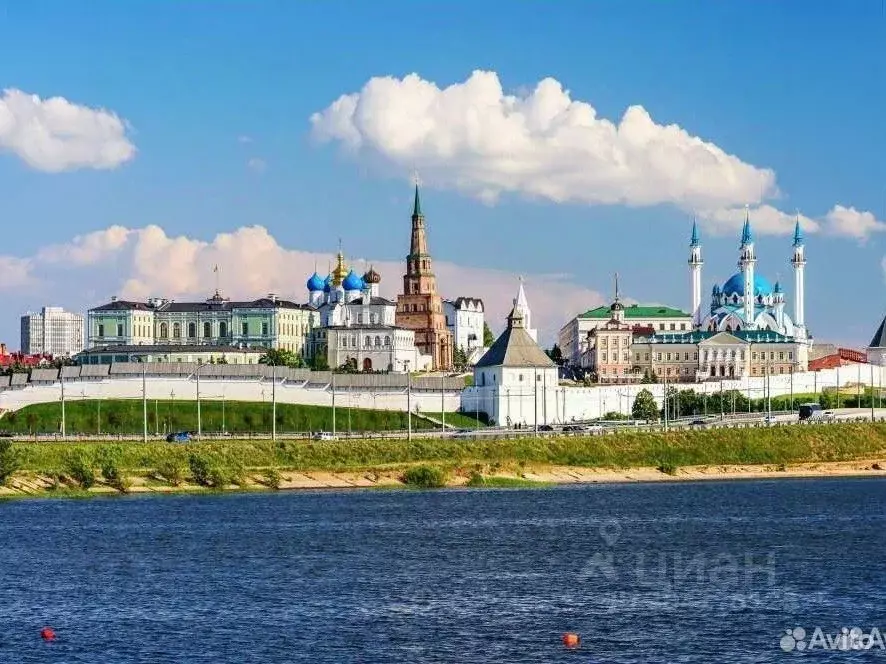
(417,332)
(747,300)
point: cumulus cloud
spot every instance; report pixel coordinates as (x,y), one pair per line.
(137,263)
(852,223)
(476,138)
(55,134)
(473,137)
(765,219)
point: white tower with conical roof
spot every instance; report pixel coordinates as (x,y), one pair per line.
(521,305)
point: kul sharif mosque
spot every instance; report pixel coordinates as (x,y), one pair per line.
(747,300)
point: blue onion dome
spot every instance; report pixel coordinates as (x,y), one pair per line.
(315,283)
(735,285)
(352,282)
(777,288)
(327,284)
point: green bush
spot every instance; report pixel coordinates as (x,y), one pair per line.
(201,466)
(271,478)
(170,470)
(78,464)
(109,462)
(425,477)
(219,476)
(667,468)
(9,460)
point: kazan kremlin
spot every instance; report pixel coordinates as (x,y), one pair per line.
(748,338)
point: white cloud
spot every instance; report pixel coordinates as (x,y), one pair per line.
(256,165)
(850,222)
(55,134)
(144,262)
(475,138)
(765,220)
(542,143)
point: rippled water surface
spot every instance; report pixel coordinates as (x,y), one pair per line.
(681,572)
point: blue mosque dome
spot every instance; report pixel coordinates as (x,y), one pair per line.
(315,283)
(735,285)
(352,282)
(327,284)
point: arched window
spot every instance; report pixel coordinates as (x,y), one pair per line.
(164,331)
(387,340)
(192,330)
(222,329)
(367,342)
(176,330)
(207,330)
(377,342)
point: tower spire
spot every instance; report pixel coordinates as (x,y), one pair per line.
(746,236)
(798,233)
(616,286)
(693,241)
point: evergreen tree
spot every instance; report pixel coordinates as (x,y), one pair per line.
(488,337)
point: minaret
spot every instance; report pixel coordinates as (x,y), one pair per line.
(695,263)
(746,263)
(521,304)
(778,306)
(798,261)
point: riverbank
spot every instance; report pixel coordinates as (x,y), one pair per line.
(851,449)
(47,486)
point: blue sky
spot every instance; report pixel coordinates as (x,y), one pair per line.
(205,88)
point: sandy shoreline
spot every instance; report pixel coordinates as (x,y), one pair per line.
(43,486)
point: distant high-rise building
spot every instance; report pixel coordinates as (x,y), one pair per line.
(52,331)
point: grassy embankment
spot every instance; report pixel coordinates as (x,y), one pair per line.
(252,463)
(125,416)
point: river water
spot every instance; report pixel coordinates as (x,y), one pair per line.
(670,572)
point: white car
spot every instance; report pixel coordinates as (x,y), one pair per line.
(323,435)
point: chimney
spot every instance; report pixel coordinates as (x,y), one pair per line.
(272,297)
(113,298)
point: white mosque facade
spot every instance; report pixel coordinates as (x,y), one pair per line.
(747,301)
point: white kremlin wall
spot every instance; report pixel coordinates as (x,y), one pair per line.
(553,405)
(185,388)
(560,405)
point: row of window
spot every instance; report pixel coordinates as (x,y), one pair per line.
(191,330)
(351,341)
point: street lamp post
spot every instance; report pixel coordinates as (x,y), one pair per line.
(144,403)
(199,414)
(408,402)
(274,402)
(64,426)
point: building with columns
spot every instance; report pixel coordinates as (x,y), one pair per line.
(419,306)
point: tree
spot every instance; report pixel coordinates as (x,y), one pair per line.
(460,358)
(645,407)
(318,361)
(488,337)
(649,378)
(555,354)
(280,358)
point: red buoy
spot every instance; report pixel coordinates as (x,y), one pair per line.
(47,634)
(571,640)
